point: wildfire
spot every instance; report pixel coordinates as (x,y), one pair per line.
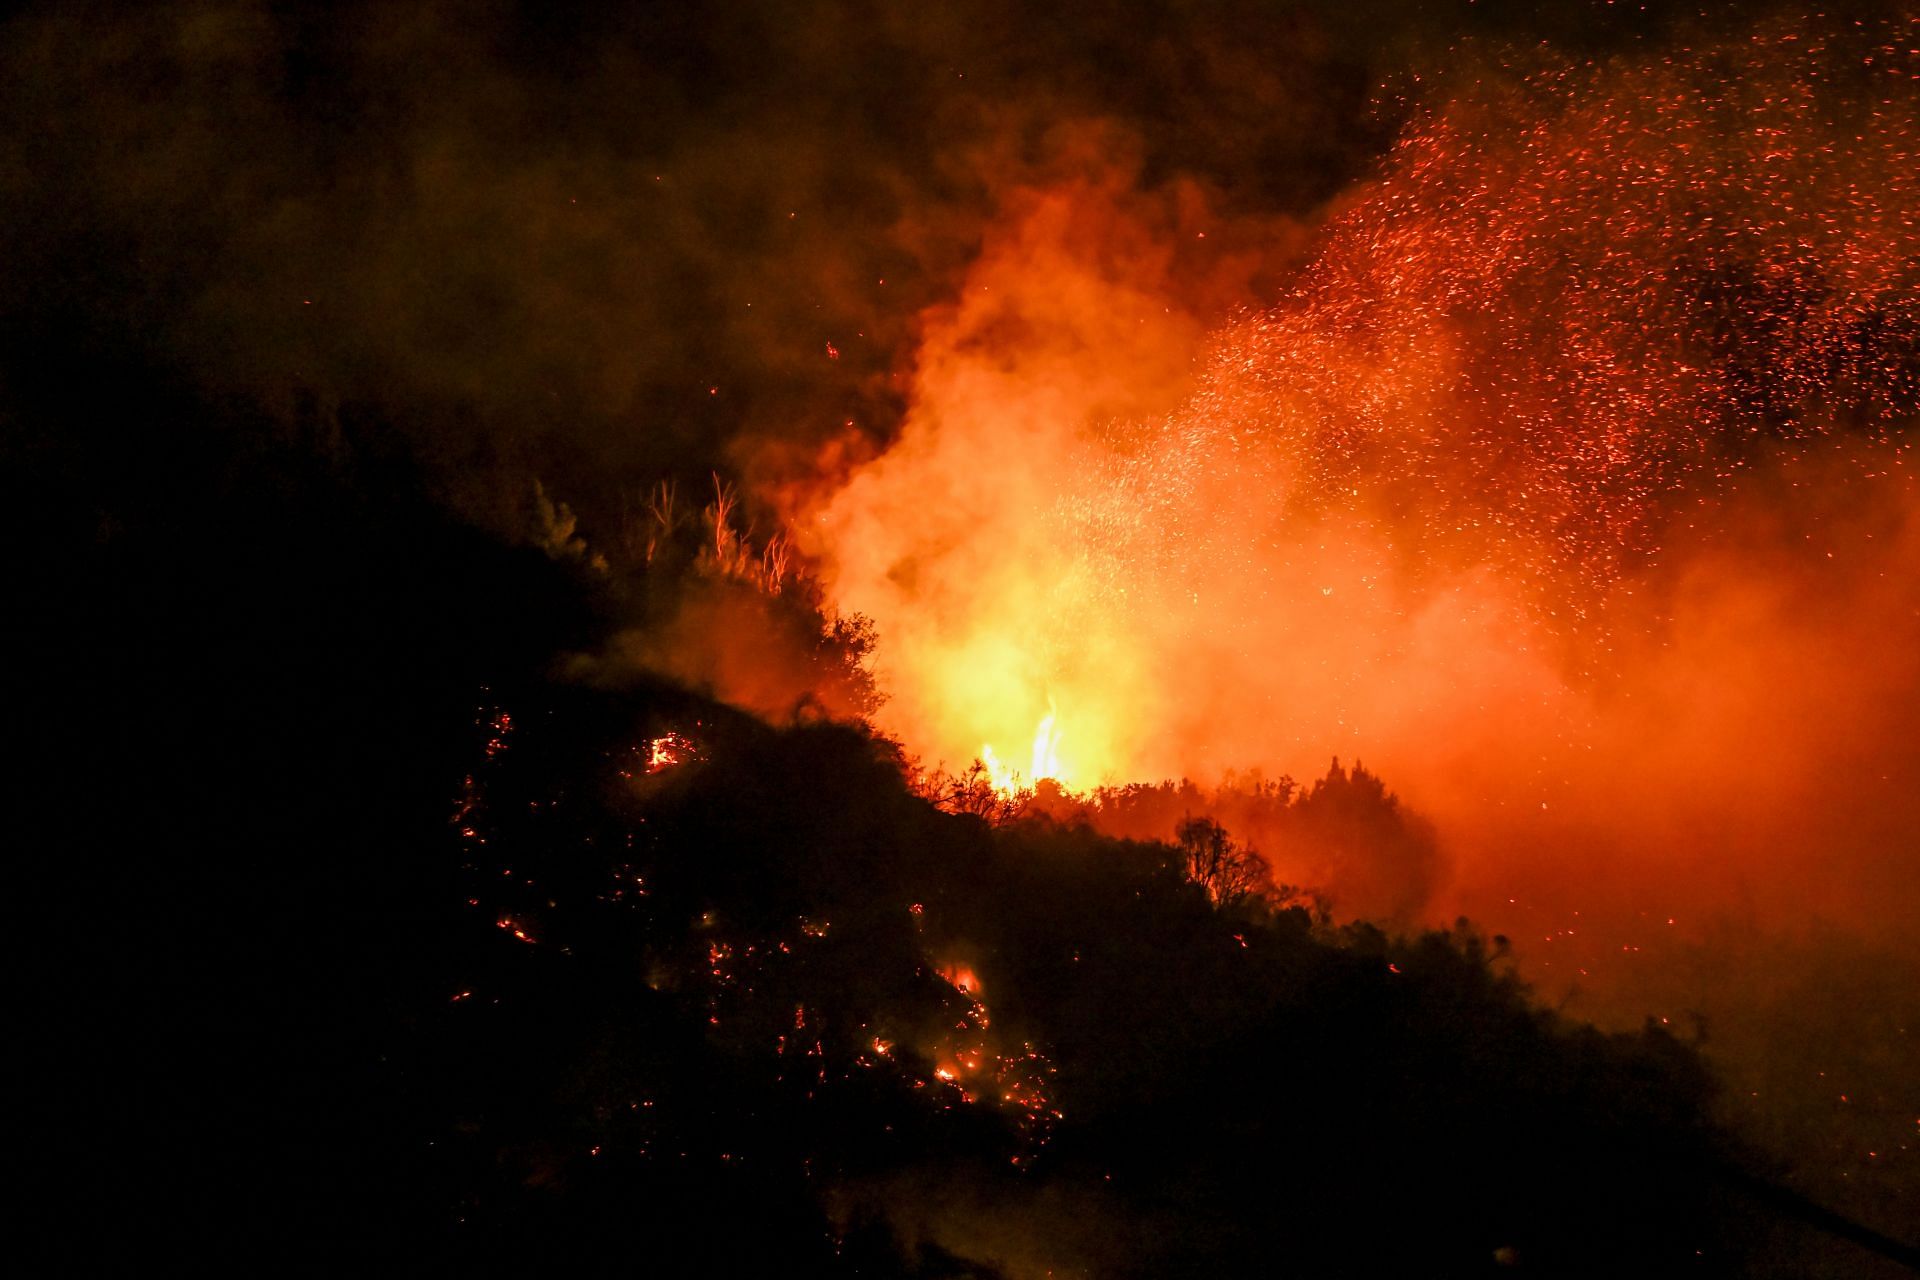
(1359,515)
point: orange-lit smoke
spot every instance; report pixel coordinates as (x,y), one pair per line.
(1002,636)
(1521,493)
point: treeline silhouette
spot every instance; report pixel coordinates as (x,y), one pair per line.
(1343,842)
(720,998)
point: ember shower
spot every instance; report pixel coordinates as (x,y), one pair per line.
(1521,491)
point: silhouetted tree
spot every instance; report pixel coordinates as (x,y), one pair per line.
(1213,860)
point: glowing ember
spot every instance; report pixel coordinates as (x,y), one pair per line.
(667,751)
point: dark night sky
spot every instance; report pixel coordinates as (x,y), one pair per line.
(526,237)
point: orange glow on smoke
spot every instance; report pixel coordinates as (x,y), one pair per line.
(1477,501)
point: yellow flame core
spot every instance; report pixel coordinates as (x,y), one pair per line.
(1045,764)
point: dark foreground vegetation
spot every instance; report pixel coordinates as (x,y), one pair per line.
(806,1020)
(359,935)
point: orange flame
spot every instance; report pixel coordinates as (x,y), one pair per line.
(963,979)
